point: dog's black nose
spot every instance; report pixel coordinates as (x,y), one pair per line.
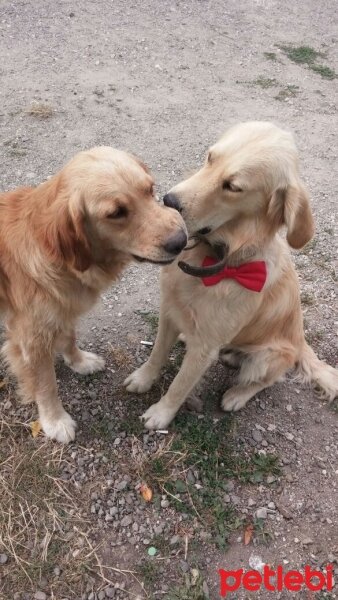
(172,201)
(176,243)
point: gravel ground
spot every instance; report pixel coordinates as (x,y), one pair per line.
(163,80)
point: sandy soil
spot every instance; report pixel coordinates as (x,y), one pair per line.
(163,80)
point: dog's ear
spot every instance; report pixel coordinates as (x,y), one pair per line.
(290,206)
(64,228)
(72,240)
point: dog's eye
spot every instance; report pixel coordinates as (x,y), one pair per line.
(151,189)
(228,185)
(118,213)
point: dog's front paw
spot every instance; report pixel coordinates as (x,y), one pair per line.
(233,401)
(158,416)
(61,429)
(87,363)
(141,380)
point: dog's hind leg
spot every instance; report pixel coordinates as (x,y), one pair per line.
(78,360)
(259,370)
(143,378)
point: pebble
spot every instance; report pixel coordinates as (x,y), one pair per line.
(174,540)
(257,436)
(270,479)
(164,503)
(3,559)
(40,596)
(110,592)
(229,486)
(272,506)
(126,521)
(261,513)
(307,541)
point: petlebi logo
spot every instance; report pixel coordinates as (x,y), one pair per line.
(276,580)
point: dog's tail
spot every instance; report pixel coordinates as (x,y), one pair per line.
(311,369)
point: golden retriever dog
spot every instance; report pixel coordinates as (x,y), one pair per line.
(237,290)
(61,244)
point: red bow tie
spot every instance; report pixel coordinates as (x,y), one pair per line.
(251,275)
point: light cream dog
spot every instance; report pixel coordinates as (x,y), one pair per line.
(248,188)
(63,243)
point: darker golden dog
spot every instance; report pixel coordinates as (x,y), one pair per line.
(61,244)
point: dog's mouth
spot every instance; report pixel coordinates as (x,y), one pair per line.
(154,262)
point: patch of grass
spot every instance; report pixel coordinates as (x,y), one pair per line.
(289,91)
(306,55)
(121,357)
(40,110)
(41,525)
(270,55)
(191,589)
(265,82)
(148,571)
(261,534)
(151,318)
(301,54)
(205,446)
(324,71)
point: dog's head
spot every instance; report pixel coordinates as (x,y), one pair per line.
(103,202)
(250,174)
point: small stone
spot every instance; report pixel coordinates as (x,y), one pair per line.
(251,502)
(270,479)
(190,477)
(289,436)
(205,589)
(110,592)
(164,503)
(40,596)
(272,506)
(57,571)
(158,529)
(257,436)
(261,513)
(126,521)
(184,566)
(235,499)
(3,559)
(307,541)
(229,486)
(174,540)
(121,485)
(101,595)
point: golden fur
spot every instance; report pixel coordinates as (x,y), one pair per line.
(248,188)
(61,244)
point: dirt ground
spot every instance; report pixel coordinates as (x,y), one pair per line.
(164,80)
